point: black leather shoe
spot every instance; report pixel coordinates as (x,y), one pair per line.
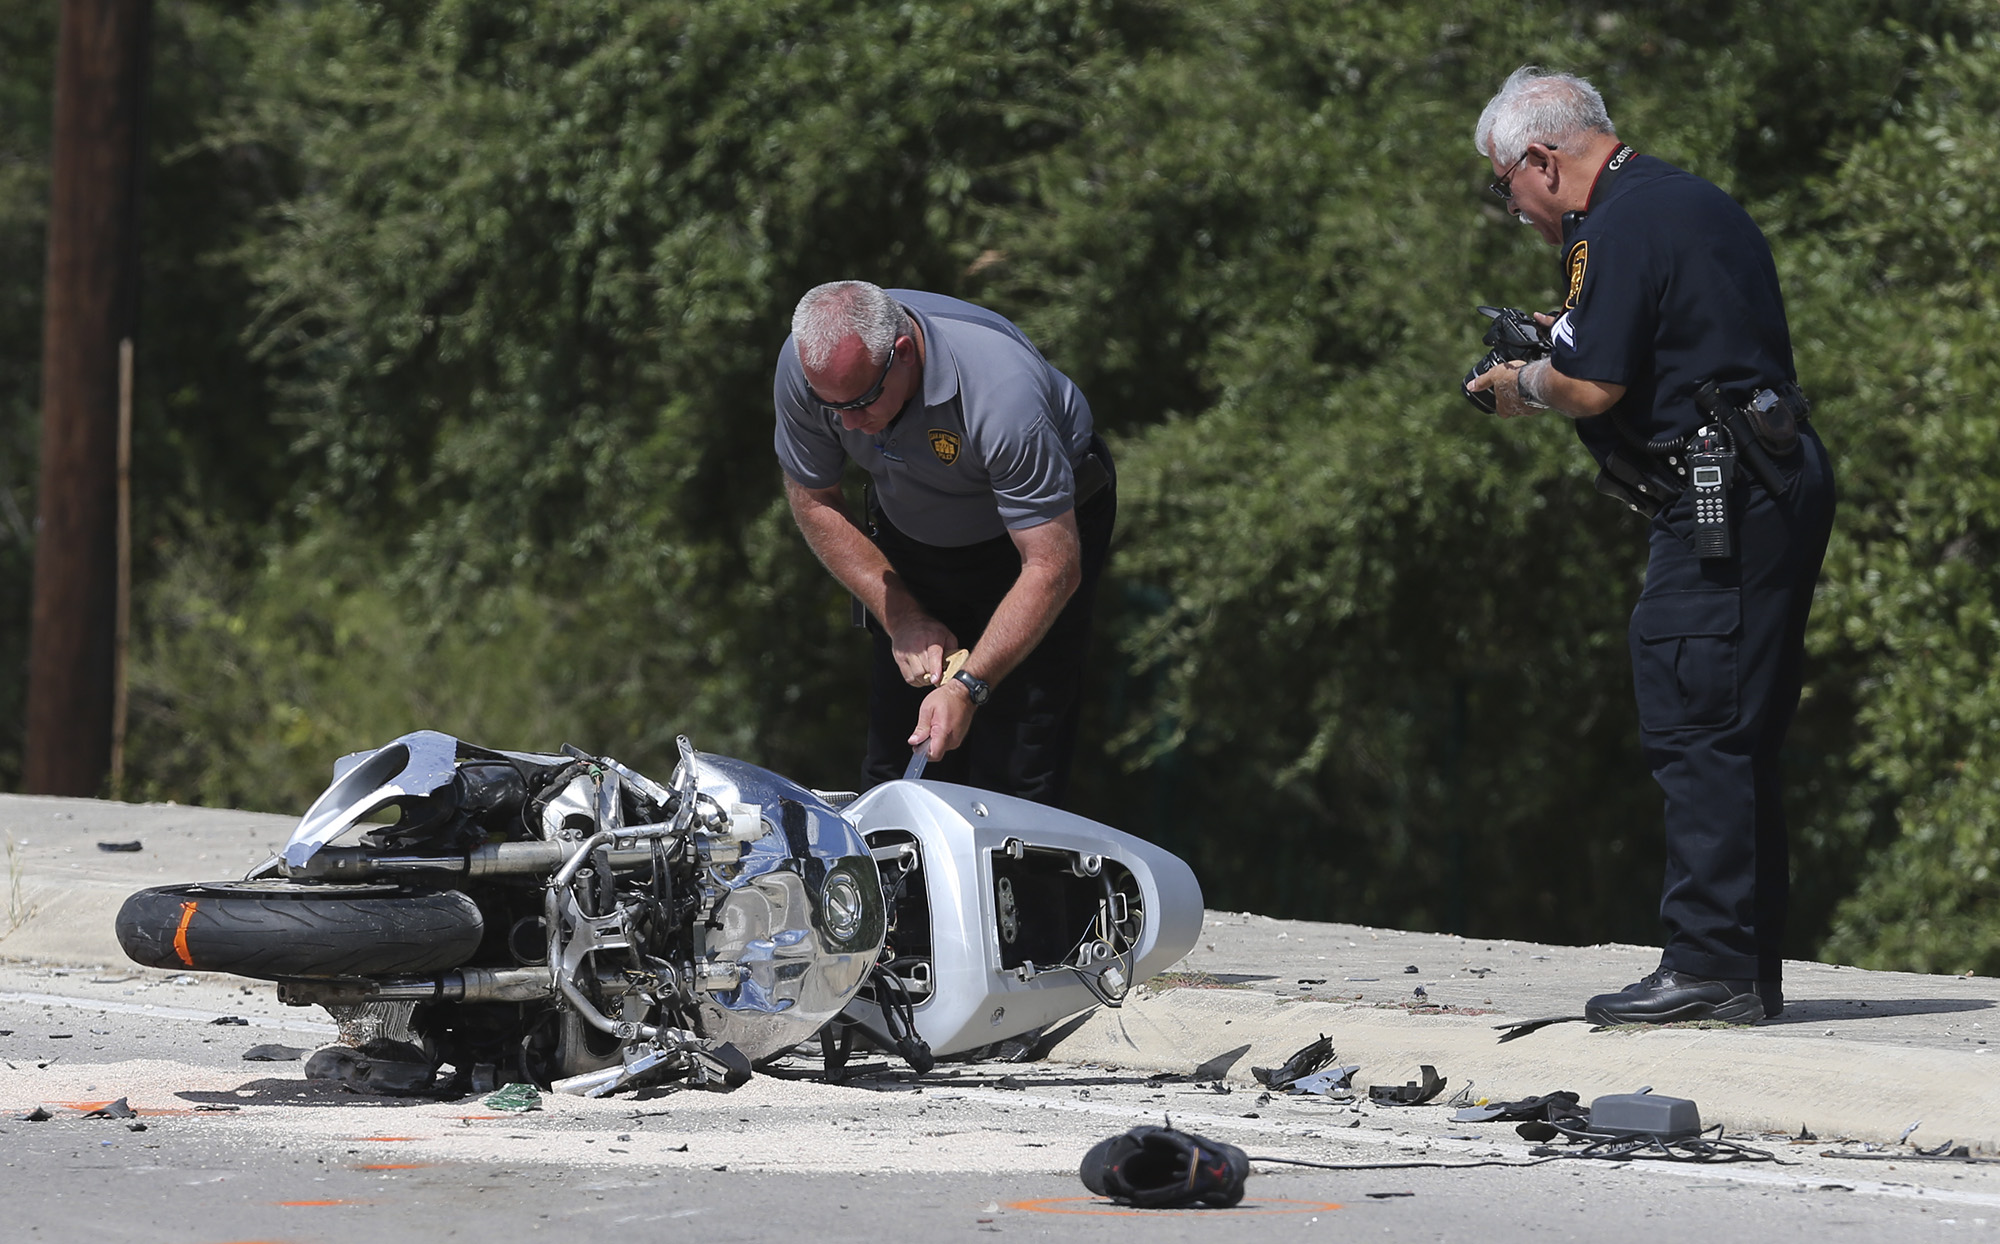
(1773,994)
(1668,997)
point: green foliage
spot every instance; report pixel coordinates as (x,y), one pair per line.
(1905,264)
(459,410)
(27,45)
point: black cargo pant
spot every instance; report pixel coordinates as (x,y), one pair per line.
(1717,649)
(1022,741)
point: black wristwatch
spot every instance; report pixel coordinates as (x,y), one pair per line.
(978,688)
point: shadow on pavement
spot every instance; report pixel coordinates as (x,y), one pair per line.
(1819,1011)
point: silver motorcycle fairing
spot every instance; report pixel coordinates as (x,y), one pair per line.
(800,910)
(418,763)
(976,1001)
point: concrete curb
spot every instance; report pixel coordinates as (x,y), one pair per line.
(1747,1079)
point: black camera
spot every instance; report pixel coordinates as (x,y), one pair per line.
(1515,338)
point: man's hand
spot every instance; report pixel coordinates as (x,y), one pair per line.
(1505,381)
(1579,399)
(943,719)
(920,647)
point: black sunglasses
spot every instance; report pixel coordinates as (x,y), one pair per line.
(872,396)
(1504,188)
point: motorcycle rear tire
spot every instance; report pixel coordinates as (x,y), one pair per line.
(279,929)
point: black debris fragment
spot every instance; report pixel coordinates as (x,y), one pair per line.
(120,1109)
(1804,1136)
(273,1053)
(394,1068)
(1546,1108)
(37,1115)
(121,846)
(209,1108)
(135,1127)
(1384,1196)
(1410,1094)
(236,1020)
(1311,1058)
(1411,970)
(1522,1028)
(1218,1067)
(1010,1084)
(1422,992)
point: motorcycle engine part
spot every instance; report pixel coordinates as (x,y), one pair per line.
(1644,1113)
(798,914)
(273,929)
(1161,1168)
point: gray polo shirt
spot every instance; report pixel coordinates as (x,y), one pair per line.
(986,448)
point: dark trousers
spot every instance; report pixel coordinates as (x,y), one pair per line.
(1022,740)
(1717,650)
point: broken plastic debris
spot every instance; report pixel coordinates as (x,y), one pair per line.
(121,846)
(1218,1067)
(515,1098)
(273,1053)
(37,1115)
(1332,1081)
(230,1019)
(1558,1105)
(1522,1028)
(1311,1058)
(1410,1094)
(120,1109)
(397,1068)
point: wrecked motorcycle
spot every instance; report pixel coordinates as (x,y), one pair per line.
(561,919)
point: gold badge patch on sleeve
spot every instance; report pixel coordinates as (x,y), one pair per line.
(945,445)
(1579,255)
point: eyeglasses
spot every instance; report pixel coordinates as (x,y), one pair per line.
(872,396)
(1503,189)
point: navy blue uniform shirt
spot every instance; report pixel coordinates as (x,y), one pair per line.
(1669,284)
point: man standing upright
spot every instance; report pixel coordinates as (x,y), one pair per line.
(988,523)
(1672,355)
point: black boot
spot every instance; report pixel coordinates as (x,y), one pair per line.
(1773,994)
(1667,997)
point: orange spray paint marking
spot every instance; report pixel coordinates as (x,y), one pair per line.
(1097,1206)
(394,1166)
(181,934)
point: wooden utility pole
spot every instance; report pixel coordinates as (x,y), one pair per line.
(90,305)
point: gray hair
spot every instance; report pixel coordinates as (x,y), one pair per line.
(1537,107)
(829,314)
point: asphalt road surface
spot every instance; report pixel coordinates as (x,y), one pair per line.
(223,1149)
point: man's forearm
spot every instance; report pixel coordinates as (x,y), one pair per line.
(1051,570)
(847,553)
(1542,386)
(1024,615)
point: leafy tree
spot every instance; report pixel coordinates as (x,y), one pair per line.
(461,412)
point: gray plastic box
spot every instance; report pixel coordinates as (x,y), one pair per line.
(1644,1114)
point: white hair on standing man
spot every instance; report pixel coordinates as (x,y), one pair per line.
(1537,107)
(831,313)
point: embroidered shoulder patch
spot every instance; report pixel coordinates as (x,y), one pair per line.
(945,445)
(1579,255)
